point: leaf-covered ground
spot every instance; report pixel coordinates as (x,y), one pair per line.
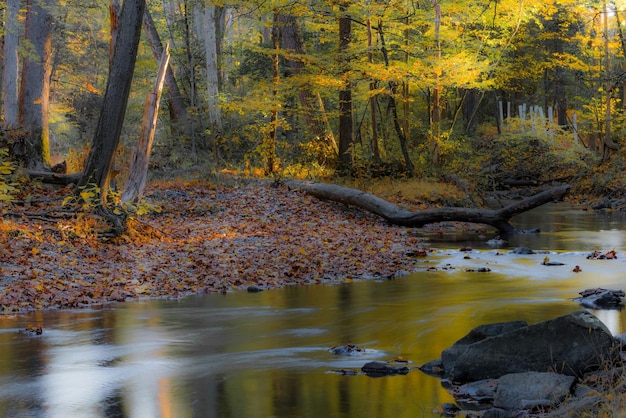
(205,239)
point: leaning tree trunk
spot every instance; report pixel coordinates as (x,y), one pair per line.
(178,109)
(106,138)
(497,218)
(136,183)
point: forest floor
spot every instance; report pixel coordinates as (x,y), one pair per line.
(203,239)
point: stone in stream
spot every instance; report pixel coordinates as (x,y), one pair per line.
(571,344)
(381,368)
(599,298)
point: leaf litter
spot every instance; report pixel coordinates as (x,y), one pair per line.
(205,239)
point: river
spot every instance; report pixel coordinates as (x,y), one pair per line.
(266,354)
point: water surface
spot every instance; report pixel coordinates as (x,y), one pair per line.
(266,354)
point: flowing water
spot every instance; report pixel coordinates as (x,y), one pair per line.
(266,354)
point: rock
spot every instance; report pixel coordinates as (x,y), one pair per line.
(380,369)
(601,299)
(449,355)
(531,390)
(254,289)
(522,250)
(433,368)
(571,344)
(474,395)
(497,413)
(346,350)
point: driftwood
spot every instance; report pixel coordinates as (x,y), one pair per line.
(498,218)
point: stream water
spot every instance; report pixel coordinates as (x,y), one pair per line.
(266,354)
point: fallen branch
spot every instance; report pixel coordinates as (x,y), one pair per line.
(498,218)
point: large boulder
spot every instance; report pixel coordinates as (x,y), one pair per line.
(449,355)
(571,344)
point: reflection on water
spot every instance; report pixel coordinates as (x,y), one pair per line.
(266,354)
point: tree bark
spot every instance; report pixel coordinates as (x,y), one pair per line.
(346,130)
(497,218)
(212,77)
(35,84)
(178,109)
(394,110)
(136,183)
(10,65)
(106,138)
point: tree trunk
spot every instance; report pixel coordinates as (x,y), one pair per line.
(35,84)
(394,110)
(373,99)
(136,183)
(10,70)
(346,133)
(311,103)
(114,16)
(178,109)
(497,218)
(106,138)
(212,71)
(435,119)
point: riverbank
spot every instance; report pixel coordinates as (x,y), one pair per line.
(203,239)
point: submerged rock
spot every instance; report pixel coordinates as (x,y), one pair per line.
(522,250)
(380,369)
(601,298)
(346,350)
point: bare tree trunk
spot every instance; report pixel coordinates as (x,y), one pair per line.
(35,84)
(178,109)
(192,74)
(346,130)
(106,138)
(10,70)
(136,183)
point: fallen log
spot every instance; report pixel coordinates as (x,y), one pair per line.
(54,178)
(498,218)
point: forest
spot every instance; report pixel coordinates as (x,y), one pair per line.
(496,93)
(107,109)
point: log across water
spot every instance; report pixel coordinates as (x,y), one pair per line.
(498,218)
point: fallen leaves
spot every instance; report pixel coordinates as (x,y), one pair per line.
(205,239)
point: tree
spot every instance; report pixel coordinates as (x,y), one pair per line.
(35,84)
(310,102)
(106,138)
(178,108)
(10,64)
(346,133)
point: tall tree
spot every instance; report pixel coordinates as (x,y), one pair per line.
(35,84)
(346,132)
(212,70)
(106,138)
(10,64)
(310,101)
